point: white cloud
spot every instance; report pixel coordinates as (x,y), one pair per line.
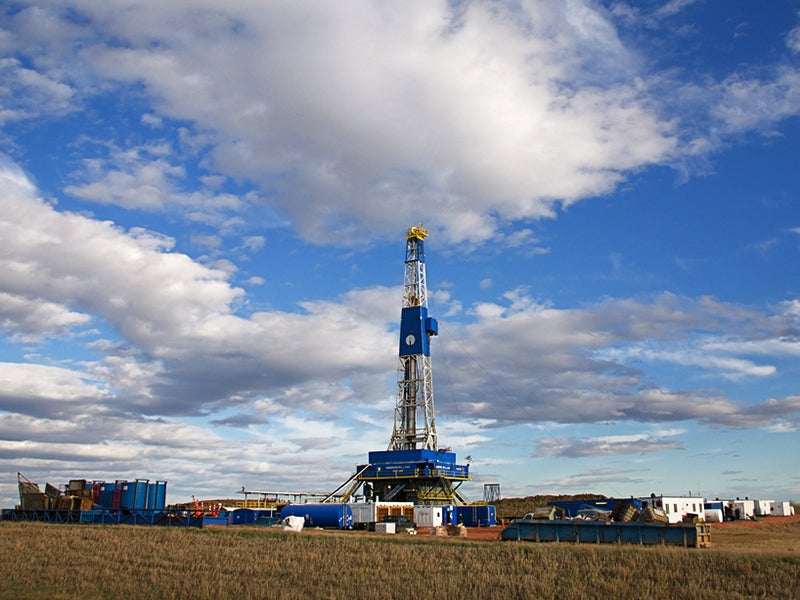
(595,479)
(489,113)
(48,390)
(640,443)
(745,104)
(793,40)
(26,93)
(149,178)
(152,120)
(29,319)
(673,7)
(602,362)
(183,349)
(515,108)
(698,356)
(182,345)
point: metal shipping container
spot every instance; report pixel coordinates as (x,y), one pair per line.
(605,532)
(476,516)
(428,516)
(157,495)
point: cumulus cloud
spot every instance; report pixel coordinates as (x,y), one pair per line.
(29,320)
(517,109)
(588,364)
(745,104)
(184,349)
(595,479)
(150,178)
(47,390)
(338,121)
(28,93)
(793,40)
(609,445)
(176,317)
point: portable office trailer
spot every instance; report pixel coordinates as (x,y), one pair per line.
(428,516)
(713,512)
(764,508)
(676,507)
(364,513)
(742,509)
(783,509)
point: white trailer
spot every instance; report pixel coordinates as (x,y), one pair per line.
(764,508)
(428,516)
(783,509)
(743,509)
(677,507)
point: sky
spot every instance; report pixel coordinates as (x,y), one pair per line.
(203,206)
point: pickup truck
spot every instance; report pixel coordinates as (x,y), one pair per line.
(400,521)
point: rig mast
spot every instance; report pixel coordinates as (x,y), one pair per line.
(414,423)
(413,468)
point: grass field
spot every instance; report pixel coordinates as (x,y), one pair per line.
(91,561)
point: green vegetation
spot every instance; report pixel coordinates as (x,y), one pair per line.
(89,561)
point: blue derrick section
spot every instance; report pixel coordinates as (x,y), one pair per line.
(393,464)
(416,327)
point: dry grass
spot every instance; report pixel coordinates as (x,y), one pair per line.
(778,536)
(89,561)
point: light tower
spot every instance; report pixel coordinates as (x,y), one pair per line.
(413,468)
(414,424)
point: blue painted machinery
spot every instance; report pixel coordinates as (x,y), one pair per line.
(413,468)
(138,502)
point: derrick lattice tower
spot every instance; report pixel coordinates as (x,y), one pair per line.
(413,468)
(414,423)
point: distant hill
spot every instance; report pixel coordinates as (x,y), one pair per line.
(508,508)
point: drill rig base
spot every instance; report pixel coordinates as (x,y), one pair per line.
(424,477)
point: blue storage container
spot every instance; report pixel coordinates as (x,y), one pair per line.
(476,516)
(140,489)
(223,518)
(161,495)
(152,489)
(110,494)
(338,516)
(156,495)
(253,516)
(133,494)
(243,516)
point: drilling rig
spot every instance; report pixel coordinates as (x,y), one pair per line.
(413,468)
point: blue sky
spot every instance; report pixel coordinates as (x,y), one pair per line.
(202,240)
